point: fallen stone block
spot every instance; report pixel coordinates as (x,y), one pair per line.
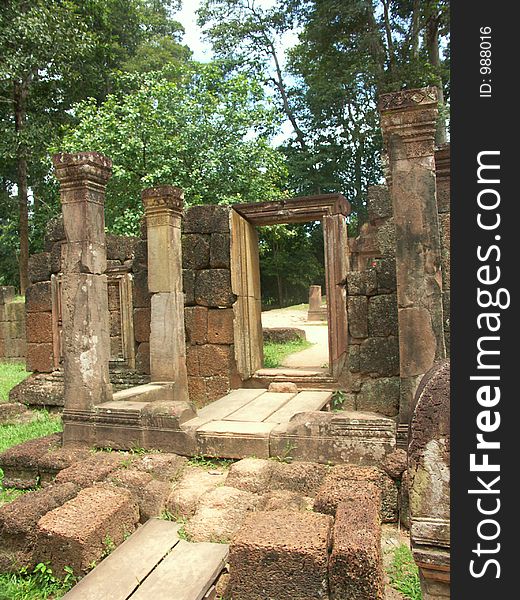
(162,466)
(185,497)
(20,463)
(93,469)
(285,500)
(343,479)
(281,555)
(356,564)
(18,521)
(220,514)
(83,530)
(10,410)
(301,477)
(149,493)
(55,460)
(395,463)
(250,474)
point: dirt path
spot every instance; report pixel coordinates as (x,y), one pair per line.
(317,356)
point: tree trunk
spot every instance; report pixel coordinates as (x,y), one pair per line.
(20,99)
(432,46)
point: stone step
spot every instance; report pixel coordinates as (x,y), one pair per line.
(119,575)
(302,402)
(187,573)
(261,407)
(234,439)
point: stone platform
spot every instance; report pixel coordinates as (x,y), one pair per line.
(246,422)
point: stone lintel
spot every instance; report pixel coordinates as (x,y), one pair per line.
(82,170)
(162,200)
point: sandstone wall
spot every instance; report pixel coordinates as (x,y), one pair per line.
(13,345)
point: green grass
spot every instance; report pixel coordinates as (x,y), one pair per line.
(40,584)
(404,575)
(11,374)
(275,352)
(43,423)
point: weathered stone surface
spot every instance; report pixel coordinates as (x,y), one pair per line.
(38,297)
(141,255)
(120,247)
(356,565)
(185,497)
(357,316)
(213,288)
(163,466)
(282,387)
(188,286)
(380,356)
(355,437)
(220,326)
(267,555)
(40,358)
(195,251)
(342,479)
(18,521)
(196,323)
(380,395)
(77,534)
(283,334)
(209,360)
(395,463)
(220,514)
(220,251)
(10,410)
(286,500)
(206,219)
(167,414)
(379,205)
(386,238)
(141,295)
(56,258)
(54,232)
(93,469)
(250,474)
(20,463)
(301,477)
(354,365)
(386,274)
(382,315)
(39,267)
(57,459)
(142,324)
(149,493)
(142,358)
(362,283)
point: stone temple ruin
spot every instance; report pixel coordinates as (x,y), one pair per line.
(156,342)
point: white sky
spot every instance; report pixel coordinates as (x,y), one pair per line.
(193,37)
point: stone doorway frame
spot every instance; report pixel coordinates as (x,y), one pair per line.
(331,210)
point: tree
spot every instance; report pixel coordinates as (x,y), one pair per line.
(204,130)
(39,42)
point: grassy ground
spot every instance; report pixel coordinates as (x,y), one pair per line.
(11,374)
(275,352)
(404,575)
(40,584)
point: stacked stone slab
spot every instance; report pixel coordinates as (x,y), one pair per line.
(373,365)
(209,299)
(429,482)
(13,345)
(408,122)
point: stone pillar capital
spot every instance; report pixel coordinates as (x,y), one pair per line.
(163,200)
(82,169)
(411,116)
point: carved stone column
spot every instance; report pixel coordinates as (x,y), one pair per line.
(429,481)
(163,210)
(408,121)
(86,343)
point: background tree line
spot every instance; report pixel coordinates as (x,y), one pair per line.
(115,76)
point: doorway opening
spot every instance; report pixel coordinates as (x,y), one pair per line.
(319,215)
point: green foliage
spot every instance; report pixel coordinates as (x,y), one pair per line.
(11,374)
(276,352)
(43,423)
(404,574)
(291,258)
(338,399)
(206,131)
(39,584)
(208,462)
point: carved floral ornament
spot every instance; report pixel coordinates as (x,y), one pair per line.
(408,99)
(163,198)
(82,169)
